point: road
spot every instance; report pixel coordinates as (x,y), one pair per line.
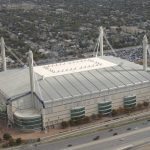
(62,144)
(145,146)
(131,139)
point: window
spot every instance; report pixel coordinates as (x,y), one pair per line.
(105,107)
(77,112)
(129,102)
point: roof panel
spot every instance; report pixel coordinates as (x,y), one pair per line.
(136,74)
(126,74)
(49,89)
(77,84)
(144,74)
(111,77)
(68,86)
(43,95)
(94,80)
(119,76)
(58,87)
(85,82)
(102,79)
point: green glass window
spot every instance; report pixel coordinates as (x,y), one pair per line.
(104,112)
(130,101)
(28,123)
(105,107)
(77,113)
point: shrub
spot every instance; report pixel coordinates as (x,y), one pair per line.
(11,142)
(99,115)
(114,112)
(139,106)
(38,140)
(127,110)
(133,109)
(64,124)
(71,122)
(0,140)
(7,136)
(18,141)
(86,119)
(145,104)
(93,117)
(5,145)
(78,122)
(120,110)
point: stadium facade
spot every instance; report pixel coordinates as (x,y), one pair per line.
(39,97)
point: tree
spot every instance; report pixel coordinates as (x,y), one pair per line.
(5,145)
(145,104)
(99,115)
(64,124)
(71,122)
(38,140)
(139,106)
(120,110)
(86,119)
(11,142)
(127,110)
(18,141)
(118,29)
(93,116)
(0,140)
(7,136)
(114,112)
(78,121)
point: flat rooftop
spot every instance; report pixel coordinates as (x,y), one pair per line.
(72,66)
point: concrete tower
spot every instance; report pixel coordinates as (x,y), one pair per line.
(145,49)
(101,40)
(3,53)
(30,59)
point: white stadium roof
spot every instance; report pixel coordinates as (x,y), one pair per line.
(72,66)
(111,73)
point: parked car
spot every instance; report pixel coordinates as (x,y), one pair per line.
(110,130)
(96,138)
(128,128)
(69,145)
(115,134)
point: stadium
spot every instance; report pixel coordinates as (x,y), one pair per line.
(39,97)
